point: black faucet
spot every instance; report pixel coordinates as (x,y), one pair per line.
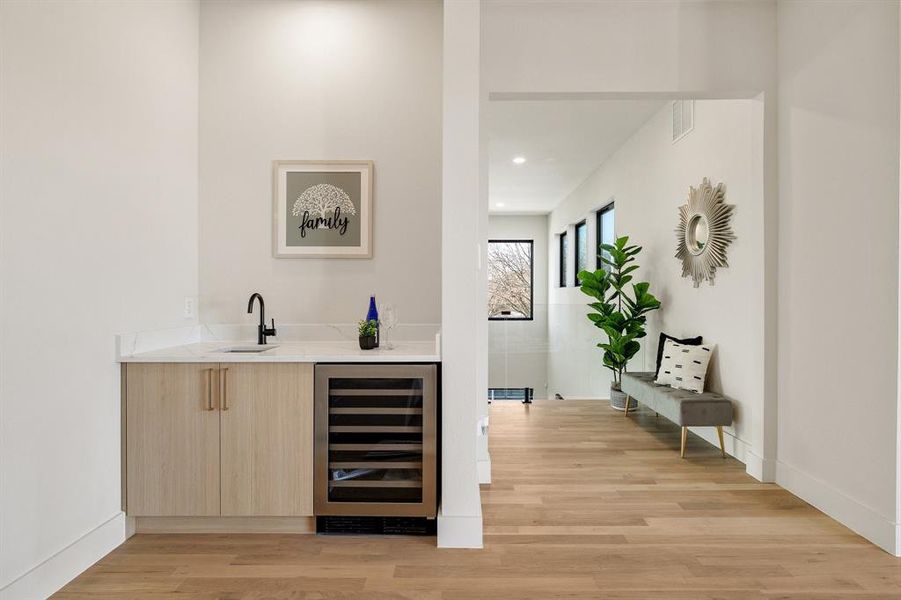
(262,330)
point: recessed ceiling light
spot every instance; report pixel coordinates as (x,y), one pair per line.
(518,160)
(499,204)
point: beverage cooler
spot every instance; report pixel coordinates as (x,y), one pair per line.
(376,442)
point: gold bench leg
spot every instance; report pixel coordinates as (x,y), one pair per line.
(684,437)
(626,409)
(719,432)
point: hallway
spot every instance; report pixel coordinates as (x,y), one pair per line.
(585,504)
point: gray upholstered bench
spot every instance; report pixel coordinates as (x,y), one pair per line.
(684,408)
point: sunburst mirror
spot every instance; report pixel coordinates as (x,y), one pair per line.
(704,232)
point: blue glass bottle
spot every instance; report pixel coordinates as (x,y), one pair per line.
(373,315)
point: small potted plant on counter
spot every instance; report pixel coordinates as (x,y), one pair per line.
(368,330)
(618,312)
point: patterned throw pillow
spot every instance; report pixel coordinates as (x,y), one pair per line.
(694,341)
(684,367)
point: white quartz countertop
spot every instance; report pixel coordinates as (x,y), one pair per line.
(308,352)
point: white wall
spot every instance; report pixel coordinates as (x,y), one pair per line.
(517,350)
(464,337)
(629,46)
(320,80)
(649,178)
(838,268)
(574,368)
(98,235)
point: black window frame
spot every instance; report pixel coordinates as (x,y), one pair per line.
(562,248)
(599,216)
(531,244)
(576,239)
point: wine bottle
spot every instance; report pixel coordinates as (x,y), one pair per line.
(373,315)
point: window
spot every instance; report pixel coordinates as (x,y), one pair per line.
(510,272)
(581,250)
(563,250)
(605,231)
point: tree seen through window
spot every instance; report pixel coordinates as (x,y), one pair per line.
(510,279)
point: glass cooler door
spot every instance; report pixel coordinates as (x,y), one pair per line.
(376,442)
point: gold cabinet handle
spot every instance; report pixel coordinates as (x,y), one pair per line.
(209,389)
(223,388)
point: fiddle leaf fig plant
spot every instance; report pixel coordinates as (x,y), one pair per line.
(620,306)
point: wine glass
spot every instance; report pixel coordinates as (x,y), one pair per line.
(388,317)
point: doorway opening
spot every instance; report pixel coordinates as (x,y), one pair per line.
(568,181)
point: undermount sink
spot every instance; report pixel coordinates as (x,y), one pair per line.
(256,348)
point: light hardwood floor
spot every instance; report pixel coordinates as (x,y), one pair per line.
(584,504)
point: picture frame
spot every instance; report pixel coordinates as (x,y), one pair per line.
(322,208)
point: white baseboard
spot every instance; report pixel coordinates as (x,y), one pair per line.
(761,469)
(61,568)
(483,467)
(897,551)
(858,517)
(459,531)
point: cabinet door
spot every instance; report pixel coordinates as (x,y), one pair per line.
(172,440)
(267,439)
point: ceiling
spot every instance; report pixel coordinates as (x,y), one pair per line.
(563,141)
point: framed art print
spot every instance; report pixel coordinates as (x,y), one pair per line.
(322,209)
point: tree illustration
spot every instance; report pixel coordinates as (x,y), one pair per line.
(322,200)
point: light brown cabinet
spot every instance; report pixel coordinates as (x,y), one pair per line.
(227,439)
(172,440)
(267,439)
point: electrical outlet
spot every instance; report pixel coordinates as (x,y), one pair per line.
(189,307)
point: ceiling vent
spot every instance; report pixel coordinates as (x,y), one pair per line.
(683,118)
